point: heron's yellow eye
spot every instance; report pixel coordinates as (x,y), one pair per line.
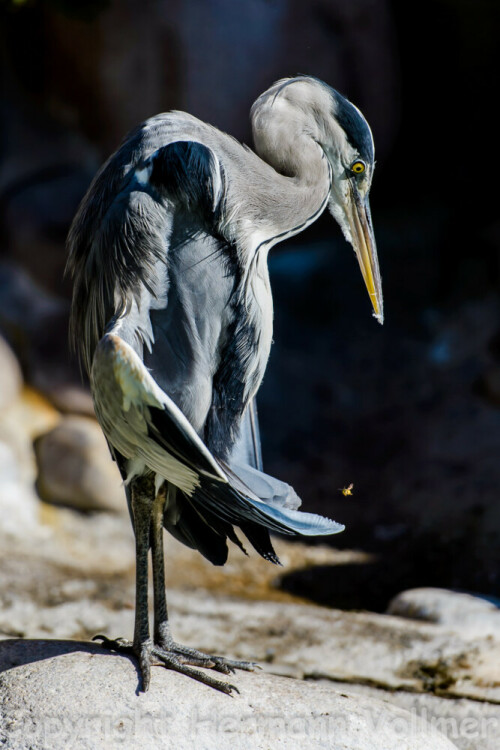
(358,167)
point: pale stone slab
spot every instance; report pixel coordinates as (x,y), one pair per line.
(470,725)
(63,695)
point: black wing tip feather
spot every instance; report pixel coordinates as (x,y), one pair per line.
(194,530)
(259,538)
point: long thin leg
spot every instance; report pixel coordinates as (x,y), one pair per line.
(162,635)
(147,513)
(143,493)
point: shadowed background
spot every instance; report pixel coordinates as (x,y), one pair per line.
(409,412)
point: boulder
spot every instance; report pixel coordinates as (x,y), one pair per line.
(460,612)
(18,502)
(11,378)
(69,398)
(75,467)
(57,694)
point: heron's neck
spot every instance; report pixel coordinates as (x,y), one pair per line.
(282,199)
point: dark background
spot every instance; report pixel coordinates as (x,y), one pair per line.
(409,412)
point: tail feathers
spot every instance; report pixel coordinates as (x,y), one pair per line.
(260,540)
(257,534)
(194,531)
(297,522)
(230,504)
(263,486)
(199,529)
(277,502)
(207,518)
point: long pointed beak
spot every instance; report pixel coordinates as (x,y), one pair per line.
(363,241)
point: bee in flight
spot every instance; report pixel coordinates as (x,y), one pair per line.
(347,490)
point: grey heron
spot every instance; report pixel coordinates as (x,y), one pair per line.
(172,314)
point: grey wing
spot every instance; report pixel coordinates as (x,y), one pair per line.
(120,236)
(246,463)
(247,449)
(269,489)
(142,422)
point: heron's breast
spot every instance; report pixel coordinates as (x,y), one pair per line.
(260,305)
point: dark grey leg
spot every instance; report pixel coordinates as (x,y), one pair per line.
(147,513)
(161,627)
(164,644)
(143,494)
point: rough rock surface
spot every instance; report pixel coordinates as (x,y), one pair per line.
(59,695)
(75,467)
(470,724)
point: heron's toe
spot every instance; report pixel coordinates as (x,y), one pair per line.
(179,658)
(183,664)
(114,644)
(218,663)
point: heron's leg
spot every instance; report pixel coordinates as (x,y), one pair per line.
(148,527)
(162,635)
(142,497)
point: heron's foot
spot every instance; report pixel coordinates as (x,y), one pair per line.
(218,663)
(179,658)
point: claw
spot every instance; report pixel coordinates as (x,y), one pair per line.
(179,658)
(114,644)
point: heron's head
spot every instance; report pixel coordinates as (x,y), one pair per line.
(307,109)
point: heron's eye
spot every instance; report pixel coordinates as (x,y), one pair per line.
(358,166)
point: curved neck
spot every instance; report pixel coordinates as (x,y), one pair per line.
(277,198)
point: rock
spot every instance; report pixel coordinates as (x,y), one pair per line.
(94,556)
(469,724)
(11,378)
(300,641)
(33,414)
(460,612)
(78,580)
(18,503)
(20,421)
(56,695)
(71,399)
(75,467)
(304,641)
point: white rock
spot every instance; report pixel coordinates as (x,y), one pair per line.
(19,506)
(59,695)
(460,612)
(11,378)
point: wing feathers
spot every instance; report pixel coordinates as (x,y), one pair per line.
(141,421)
(122,226)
